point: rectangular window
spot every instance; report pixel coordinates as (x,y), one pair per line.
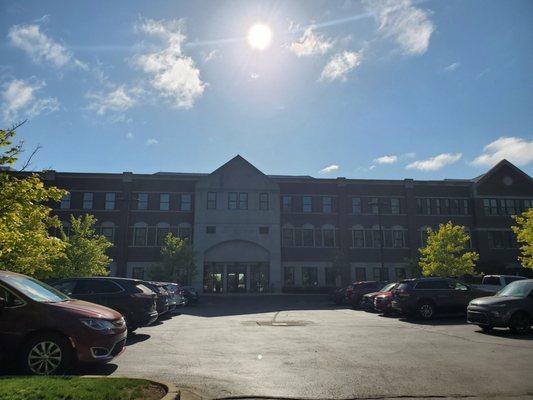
(142,201)
(110,201)
(87,201)
(185,202)
(438,207)
(331,277)
(398,239)
(496,239)
(454,207)
(298,238)
(395,206)
(381,274)
(263,201)
(374,205)
(286,203)
(490,206)
(486,206)
(329,237)
(164,202)
(307,205)
(232,200)
(464,207)
(288,277)
(310,276)
(358,238)
(243,201)
(185,232)
(326,205)
(376,239)
(356,205)
(427,206)
(211,200)
(400,274)
(528,204)
(263,230)
(137,273)
(419,206)
(360,274)
(139,236)
(210,230)
(510,208)
(307,238)
(423,237)
(161,235)
(108,232)
(65,202)
(288,237)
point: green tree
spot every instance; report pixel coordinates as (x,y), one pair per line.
(177,261)
(26,245)
(85,250)
(524,235)
(446,252)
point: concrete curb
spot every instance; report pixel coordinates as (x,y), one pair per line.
(173,392)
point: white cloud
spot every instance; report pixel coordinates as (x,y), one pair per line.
(116,100)
(152,142)
(42,48)
(452,67)
(211,55)
(254,76)
(129,135)
(409,155)
(19,100)
(310,44)
(340,65)
(329,169)
(435,163)
(410,26)
(517,150)
(390,159)
(173,75)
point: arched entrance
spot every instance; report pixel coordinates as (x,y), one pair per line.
(236,266)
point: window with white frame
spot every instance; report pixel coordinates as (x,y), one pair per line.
(395,206)
(356,205)
(398,238)
(327,205)
(185,231)
(286,203)
(263,201)
(164,202)
(140,233)
(185,202)
(211,200)
(358,238)
(307,204)
(65,202)
(243,201)
(142,201)
(107,229)
(110,201)
(162,229)
(87,201)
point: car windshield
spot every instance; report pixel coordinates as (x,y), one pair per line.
(516,289)
(388,287)
(35,290)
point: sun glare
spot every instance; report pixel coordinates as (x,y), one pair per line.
(259,36)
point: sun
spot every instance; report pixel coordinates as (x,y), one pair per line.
(259,36)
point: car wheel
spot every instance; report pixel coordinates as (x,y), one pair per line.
(131,327)
(520,323)
(425,310)
(485,328)
(46,354)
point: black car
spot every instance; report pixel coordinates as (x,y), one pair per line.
(163,297)
(130,297)
(424,297)
(511,307)
(191,294)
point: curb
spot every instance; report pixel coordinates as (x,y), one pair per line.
(173,392)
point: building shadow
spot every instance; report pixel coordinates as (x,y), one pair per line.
(506,334)
(438,320)
(227,305)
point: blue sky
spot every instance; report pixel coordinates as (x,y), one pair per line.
(361,89)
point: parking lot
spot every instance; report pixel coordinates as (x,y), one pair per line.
(303,346)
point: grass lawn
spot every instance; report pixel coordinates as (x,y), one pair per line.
(76,388)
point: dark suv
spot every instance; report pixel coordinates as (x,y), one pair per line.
(424,297)
(130,297)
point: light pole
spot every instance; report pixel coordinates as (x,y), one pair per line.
(381,238)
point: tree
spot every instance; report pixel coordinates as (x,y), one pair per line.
(85,250)
(26,245)
(177,261)
(445,253)
(524,236)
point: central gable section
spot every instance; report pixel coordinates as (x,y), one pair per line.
(237,174)
(504,179)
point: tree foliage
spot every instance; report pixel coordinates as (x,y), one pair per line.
(26,245)
(524,235)
(446,252)
(85,250)
(177,261)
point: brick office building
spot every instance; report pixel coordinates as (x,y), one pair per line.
(255,232)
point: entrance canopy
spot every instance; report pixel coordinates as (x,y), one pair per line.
(236,251)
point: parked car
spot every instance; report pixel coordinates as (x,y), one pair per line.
(47,331)
(383,303)
(511,307)
(493,283)
(162,297)
(338,295)
(134,300)
(356,291)
(176,295)
(367,302)
(191,294)
(424,297)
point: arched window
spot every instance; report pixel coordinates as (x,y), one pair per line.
(140,232)
(358,236)
(185,230)
(287,235)
(328,235)
(308,235)
(107,229)
(162,229)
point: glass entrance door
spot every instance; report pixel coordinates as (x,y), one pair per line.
(236,278)
(213,274)
(259,277)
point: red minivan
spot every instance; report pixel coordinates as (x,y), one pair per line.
(47,331)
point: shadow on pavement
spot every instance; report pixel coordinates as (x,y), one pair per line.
(94,369)
(453,319)
(226,305)
(507,334)
(136,338)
